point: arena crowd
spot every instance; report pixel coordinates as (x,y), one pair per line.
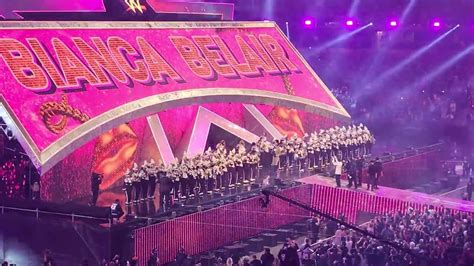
(434,238)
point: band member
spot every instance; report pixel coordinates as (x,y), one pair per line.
(217,174)
(210,178)
(192,176)
(300,156)
(311,155)
(144,172)
(276,155)
(202,178)
(223,175)
(136,182)
(247,169)
(360,167)
(239,167)
(253,159)
(166,185)
(265,155)
(152,178)
(240,148)
(282,151)
(290,150)
(96,179)
(221,149)
(183,169)
(231,170)
(128,187)
(174,173)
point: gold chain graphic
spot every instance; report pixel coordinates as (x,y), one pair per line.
(61,110)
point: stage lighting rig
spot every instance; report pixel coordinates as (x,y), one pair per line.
(7,130)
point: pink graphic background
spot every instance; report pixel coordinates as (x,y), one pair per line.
(94,101)
(70,180)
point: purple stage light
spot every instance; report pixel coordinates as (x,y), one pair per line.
(436,24)
(308,22)
(393,23)
(349,22)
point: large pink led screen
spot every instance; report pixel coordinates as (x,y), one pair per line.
(63,80)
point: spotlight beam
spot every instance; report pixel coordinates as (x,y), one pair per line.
(269,9)
(410,59)
(354,6)
(442,68)
(427,78)
(407,10)
(341,38)
(381,55)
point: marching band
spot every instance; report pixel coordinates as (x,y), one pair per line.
(218,169)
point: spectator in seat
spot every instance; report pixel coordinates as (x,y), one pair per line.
(306,253)
(255,261)
(153,260)
(181,256)
(469,188)
(267,258)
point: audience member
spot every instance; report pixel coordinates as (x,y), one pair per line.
(267,258)
(255,261)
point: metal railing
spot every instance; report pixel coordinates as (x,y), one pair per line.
(411,152)
(37,213)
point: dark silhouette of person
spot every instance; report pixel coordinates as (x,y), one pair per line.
(96,179)
(267,258)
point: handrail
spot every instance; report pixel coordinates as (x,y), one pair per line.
(410,153)
(37,211)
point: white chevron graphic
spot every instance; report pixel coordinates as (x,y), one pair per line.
(194,141)
(256,122)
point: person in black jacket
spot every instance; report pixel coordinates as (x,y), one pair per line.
(351,170)
(372,171)
(379,171)
(255,261)
(166,185)
(359,169)
(283,255)
(267,258)
(153,260)
(181,256)
(292,253)
(96,179)
(469,188)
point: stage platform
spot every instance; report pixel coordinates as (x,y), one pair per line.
(150,211)
(353,202)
